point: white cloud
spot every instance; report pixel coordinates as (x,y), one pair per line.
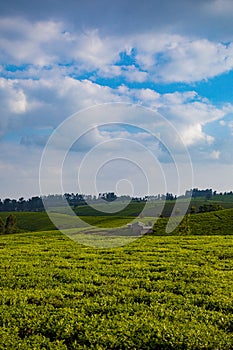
(45,103)
(188,112)
(133,74)
(95,51)
(176,58)
(193,134)
(24,42)
(196,60)
(13,97)
(13,104)
(158,56)
(215,154)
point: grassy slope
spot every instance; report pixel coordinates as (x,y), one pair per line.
(31,221)
(212,223)
(41,222)
(133,209)
(156,293)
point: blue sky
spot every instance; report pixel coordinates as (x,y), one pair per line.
(175,58)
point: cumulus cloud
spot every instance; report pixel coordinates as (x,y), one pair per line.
(196,60)
(187,111)
(156,56)
(29,42)
(45,103)
(193,134)
(13,105)
(52,100)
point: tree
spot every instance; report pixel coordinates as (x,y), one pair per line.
(21,204)
(2,226)
(193,209)
(209,207)
(10,226)
(169,197)
(7,204)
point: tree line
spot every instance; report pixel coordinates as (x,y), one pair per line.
(56,200)
(36,203)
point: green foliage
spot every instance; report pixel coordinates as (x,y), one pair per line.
(156,293)
(10,225)
(210,207)
(223,198)
(2,226)
(193,209)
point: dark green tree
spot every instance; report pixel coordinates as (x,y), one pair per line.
(209,207)
(2,226)
(193,209)
(10,226)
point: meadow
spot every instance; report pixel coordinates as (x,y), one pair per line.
(154,293)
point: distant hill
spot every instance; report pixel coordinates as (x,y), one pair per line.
(153,208)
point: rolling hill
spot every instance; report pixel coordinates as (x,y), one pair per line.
(212,223)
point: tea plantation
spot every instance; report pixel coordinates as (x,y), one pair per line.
(171,292)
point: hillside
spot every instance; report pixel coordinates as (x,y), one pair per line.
(212,223)
(31,221)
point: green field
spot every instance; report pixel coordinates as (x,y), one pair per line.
(155,293)
(161,291)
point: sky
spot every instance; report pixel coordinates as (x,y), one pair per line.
(160,73)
